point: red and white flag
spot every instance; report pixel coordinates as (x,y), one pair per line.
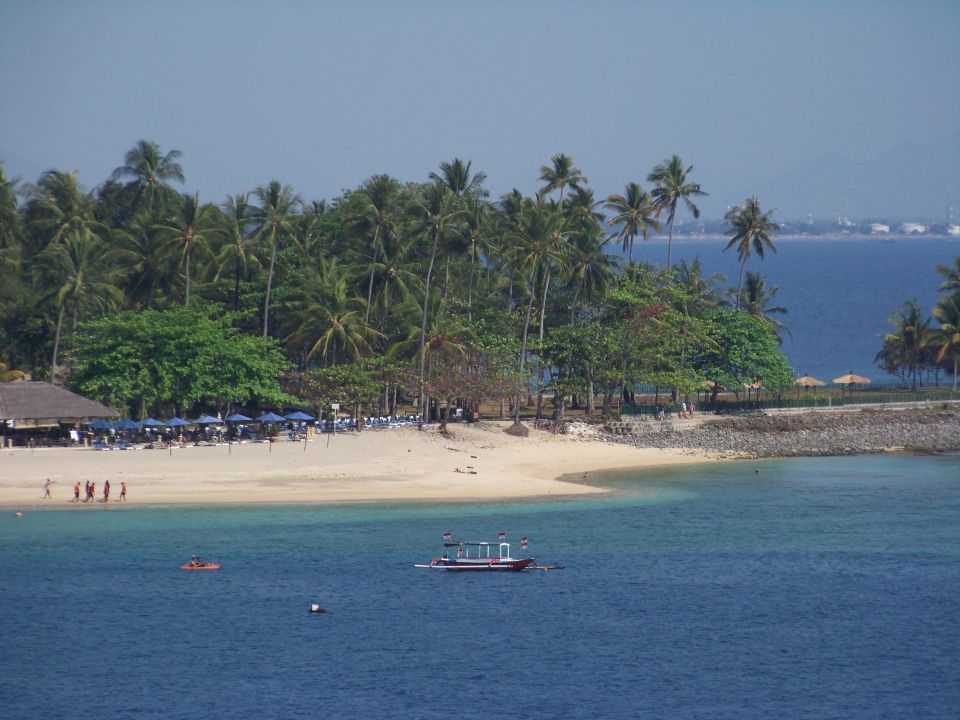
(447,535)
(523,542)
(502,535)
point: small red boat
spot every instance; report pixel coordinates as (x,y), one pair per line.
(476,557)
(199,564)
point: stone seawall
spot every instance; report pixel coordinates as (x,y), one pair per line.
(806,434)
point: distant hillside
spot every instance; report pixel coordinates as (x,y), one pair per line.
(908,183)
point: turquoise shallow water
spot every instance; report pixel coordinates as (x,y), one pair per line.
(817,588)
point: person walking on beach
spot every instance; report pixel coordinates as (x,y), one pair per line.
(123,490)
(92,492)
(46,490)
(106,491)
(76,492)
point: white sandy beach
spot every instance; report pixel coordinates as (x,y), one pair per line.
(398,464)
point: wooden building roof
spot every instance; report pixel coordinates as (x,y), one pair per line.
(41,401)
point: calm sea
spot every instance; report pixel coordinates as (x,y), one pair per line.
(838,293)
(818,588)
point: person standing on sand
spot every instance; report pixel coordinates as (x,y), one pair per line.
(93,491)
(123,490)
(76,492)
(46,490)
(106,491)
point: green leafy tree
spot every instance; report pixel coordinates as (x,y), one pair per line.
(671,184)
(749,228)
(945,339)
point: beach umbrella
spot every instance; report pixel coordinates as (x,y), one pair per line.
(127,425)
(271,417)
(807,382)
(150,422)
(850,379)
(206,420)
(101,425)
(299,416)
(237,417)
(176,422)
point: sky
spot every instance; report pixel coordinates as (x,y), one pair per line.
(800,103)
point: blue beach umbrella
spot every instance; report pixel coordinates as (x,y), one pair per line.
(176,422)
(150,422)
(127,425)
(206,420)
(237,417)
(271,417)
(299,416)
(101,425)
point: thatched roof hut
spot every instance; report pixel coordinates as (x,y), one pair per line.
(40,403)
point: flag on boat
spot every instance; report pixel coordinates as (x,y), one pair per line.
(523,542)
(447,535)
(502,535)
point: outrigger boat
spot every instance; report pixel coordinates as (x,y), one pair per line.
(198,563)
(474,556)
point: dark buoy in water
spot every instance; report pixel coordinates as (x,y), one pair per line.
(315,609)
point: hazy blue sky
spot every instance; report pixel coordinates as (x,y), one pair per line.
(758,96)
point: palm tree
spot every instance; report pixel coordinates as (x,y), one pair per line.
(634,210)
(9,213)
(377,220)
(749,228)
(671,184)
(757,297)
(592,270)
(908,339)
(701,289)
(150,169)
(561,174)
(946,338)
(534,248)
(58,206)
(273,222)
(142,252)
(328,319)
(190,230)
(434,211)
(81,279)
(951,275)
(456,176)
(237,255)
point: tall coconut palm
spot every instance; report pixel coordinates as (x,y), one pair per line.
(592,270)
(701,289)
(908,339)
(273,222)
(237,254)
(634,211)
(750,229)
(190,230)
(434,211)
(377,220)
(671,184)
(142,253)
(150,169)
(9,212)
(456,176)
(757,296)
(561,174)
(951,276)
(57,206)
(534,247)
(946,338)
(327,319)
(81,280)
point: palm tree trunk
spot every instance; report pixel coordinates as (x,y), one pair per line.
(743,264)
(236,286)
(955,360)
(473,262)
(373,267)
(187,300)
(573,305)
(266,301)
(56,346)
(543,310)
(423,325)
(523,346)
(670,241)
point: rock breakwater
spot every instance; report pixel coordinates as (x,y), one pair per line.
(805,434)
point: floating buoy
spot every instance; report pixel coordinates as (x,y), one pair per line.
(315,608)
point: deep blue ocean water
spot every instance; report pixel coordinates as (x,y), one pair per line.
(838,293)
(818,588)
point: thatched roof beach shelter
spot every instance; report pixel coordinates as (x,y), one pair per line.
(26,406)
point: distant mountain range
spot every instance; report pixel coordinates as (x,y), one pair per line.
(909,183)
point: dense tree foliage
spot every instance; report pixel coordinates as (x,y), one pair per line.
(432,292)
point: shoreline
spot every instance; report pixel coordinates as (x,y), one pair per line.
(476,463)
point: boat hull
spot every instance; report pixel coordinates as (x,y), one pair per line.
(496,565)
(208,566)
